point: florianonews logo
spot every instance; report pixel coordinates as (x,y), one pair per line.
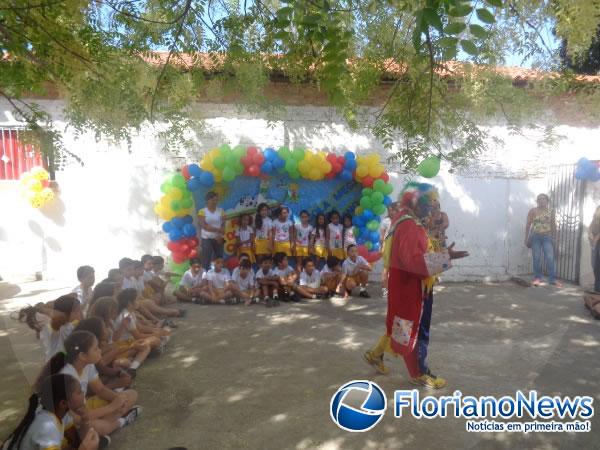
(358,405)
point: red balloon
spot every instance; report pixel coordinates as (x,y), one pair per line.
(331,158)
(193,253)
(252,150)
(330,175)
(173,246)
(341,160)
(254,171)
(363,251)
(178,258)
(45,183)
(368,181)
(258,159)
(232,262)
(338,168)
(184,249)
(194,242)
(385,177)
(185,171)
(373,256)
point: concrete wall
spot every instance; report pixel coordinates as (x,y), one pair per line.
(105,207)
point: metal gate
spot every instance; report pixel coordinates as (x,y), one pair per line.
(566,197)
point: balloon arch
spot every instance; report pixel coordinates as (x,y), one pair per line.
(222,165)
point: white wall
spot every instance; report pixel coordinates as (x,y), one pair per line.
(105,208)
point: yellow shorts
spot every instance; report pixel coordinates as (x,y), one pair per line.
(302,251)
(95,402)
(262,246)
(320,251)
(249,252)
(283,247)
(124,347)
(339,253)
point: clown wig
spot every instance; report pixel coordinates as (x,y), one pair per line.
(414,194)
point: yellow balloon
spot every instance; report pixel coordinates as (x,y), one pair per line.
(326,167)
(36,201)
(175,193)
(218,176)
(362,171)
(34,185)
(47,195)
(374,171)
(358,210)
(39,173)
(314,173)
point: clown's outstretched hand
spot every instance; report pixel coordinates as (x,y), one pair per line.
(456,254)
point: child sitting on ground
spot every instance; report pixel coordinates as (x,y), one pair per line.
(286,276)
(64,315)
(48,422)
(243,283)
(152,304)
(219,288)
(268,282)
(192,287)
(309,285)
(332,277)
(356,273)
(84,291)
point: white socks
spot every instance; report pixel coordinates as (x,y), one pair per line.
(134,365)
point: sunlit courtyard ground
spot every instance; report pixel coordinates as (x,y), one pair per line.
(257,378)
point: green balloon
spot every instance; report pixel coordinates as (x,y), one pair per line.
(239,151)
(294,174)
(376,198)
(356,231)
(175,205)
(298,154)
(232,159)
(367,192)
(429,167)
(388,188)
(179,268)
(373,225)
(239,168)
(379,209)
(220,162)
(165,187)
(228,174)
(178,180)
(186,203)
(225,148)
(369,245)
(365,202)
(378,185)
(291,165)
(284,152)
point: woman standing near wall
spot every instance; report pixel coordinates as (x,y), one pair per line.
(594,237)
(539,235)
(437,223)
(212,230)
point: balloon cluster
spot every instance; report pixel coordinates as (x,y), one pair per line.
(183,242)
(177,199)
(587,170)
(196,178)
(225,163)
(35,187)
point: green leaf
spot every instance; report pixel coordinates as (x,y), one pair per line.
(478,31)
(448,42)
(416,39)
(432,18)
(460,11)
(469,47)
(455,28)
(284,12)
(449,53)
(485,15)
(496,3)
(311,19)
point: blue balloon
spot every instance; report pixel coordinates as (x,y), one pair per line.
(175,234)
(350,165)
(188,219)
(365,233)
(270,154)
(349,156)
(368,215)
(278,163)
(207,179)
(346,175)
(267,167)
(375,246)
(374,236)
(167,227)
(177,222)
(194,170)
(358,221)
(595,176)
(189,230)
(387,201)
(360,241)
(193,184)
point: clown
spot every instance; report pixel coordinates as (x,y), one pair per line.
(413,261)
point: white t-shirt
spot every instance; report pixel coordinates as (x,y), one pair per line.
(350,267)
(53,341)
(130,283)
(148,275)
(385,225)
(84,296)
(282,230)
(126,335)
(89,374)
(218,279)
(245,284)
(303,234)
(244,235)
(265,231)
(214,219)
(319,239)
(261,274)
(312,281)
(335,235)
(46,431)
(189,280)
(349,238)
(283,272)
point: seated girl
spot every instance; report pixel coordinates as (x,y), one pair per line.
(219,286)
(268,282)
(243,283)
(64,315)
(192,287)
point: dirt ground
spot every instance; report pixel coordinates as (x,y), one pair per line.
(258,378)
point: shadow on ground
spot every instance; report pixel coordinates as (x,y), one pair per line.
(258,378)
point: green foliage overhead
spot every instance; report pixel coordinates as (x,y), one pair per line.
(101,57)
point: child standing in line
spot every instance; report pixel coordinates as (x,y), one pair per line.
(268,282)
(286,276)
(243,283)
(310,281)
(218,278)
(193,287)
(87,278)
(319,239)
(331,276)
(282,235)
(64,316)
(263,231)
(356,273)
(245,237)
(349,237)
(303,232)
(48,422)
(335,236)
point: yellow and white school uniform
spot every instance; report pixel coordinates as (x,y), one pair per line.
(320,246)
(351,268)
(262,236)
(244,284)
(282,237)
(349,239)
(46,432)
(303,234)
(312,281)
(88,374)
(336,233)
(53,341)
(245,237)
(218,280)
